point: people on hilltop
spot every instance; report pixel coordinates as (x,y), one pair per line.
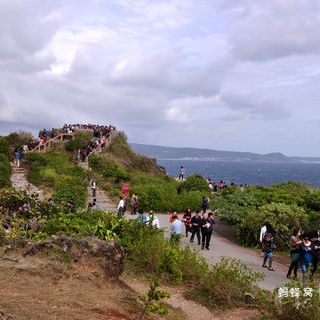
(181,173)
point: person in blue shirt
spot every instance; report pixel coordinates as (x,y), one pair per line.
(176,226)
(306,256)
(142,217)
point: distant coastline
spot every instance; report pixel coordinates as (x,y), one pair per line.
(181,154)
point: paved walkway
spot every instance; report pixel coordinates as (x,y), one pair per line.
(222,247)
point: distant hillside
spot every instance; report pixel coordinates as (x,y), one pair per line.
(162,152)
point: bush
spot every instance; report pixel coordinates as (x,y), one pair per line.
(5,167)
(195,182)
(226,285)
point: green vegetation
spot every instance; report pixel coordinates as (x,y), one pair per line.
(284,205)
(5,168)
(152,300)
(223,285)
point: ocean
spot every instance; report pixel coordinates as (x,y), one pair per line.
(255,173)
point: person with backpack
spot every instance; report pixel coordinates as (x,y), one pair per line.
(268,245)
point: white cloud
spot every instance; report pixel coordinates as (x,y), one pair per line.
(230,75)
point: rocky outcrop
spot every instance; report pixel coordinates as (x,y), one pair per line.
(105,258)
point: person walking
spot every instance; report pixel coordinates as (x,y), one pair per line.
(186,219)
(208,222)
(295,243)
(94,186)
(204,204)
(176,225)
(121,206)
(306,256)
(153,220)
(268,245)
(196,227)
(134,204)
(316,253)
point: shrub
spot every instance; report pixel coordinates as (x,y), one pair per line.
(225,285)
(195,182)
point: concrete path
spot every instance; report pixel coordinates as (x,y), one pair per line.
(222,247)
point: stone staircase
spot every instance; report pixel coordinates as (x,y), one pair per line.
(19,181)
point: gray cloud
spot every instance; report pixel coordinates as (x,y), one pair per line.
(273,29)
(174,73)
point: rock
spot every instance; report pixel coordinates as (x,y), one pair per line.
(99,255)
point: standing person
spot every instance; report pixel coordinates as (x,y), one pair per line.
(204,204)
(94,187)
(186,219)
(268,245)
(294,252)
(306,255)
(121,206)
(153,220)
(262,233)
(181,173)
(16,157)
(316,253)
(142,217)
(175,229)
(134,204)
(196,227)
(206,230)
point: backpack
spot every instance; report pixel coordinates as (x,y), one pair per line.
(268,242)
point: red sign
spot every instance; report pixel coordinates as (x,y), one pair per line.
(125,189)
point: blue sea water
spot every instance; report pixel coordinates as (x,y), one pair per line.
(247,172)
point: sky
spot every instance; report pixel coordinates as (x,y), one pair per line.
(225,75)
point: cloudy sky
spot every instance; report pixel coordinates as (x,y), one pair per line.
(227,75)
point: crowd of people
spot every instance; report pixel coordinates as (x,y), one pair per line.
(100,134)
(304,251)
(200,226)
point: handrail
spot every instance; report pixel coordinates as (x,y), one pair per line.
(42,147)
(99,147)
